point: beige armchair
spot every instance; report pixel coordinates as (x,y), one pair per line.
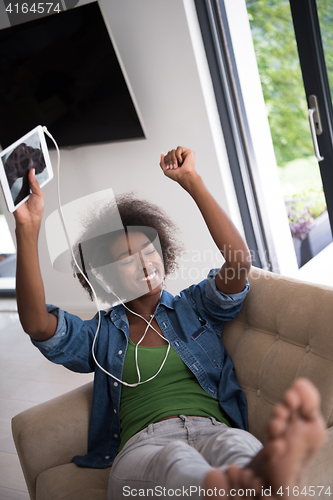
(284,331)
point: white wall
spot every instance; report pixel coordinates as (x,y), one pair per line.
(162,56)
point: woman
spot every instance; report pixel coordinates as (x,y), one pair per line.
(170,417)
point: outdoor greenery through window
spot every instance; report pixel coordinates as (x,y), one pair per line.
(325,13)
(281,79)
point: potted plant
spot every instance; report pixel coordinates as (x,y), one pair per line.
(309,223)
(300,220)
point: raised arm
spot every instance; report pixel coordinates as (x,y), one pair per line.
(34,317)
(179,165)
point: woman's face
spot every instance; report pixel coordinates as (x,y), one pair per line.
(139,265)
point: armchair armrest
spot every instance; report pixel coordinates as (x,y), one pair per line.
(51,433)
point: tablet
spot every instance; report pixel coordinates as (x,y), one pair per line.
(28,152)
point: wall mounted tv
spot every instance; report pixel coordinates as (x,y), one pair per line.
(61,71)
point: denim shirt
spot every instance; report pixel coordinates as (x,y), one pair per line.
(192,322)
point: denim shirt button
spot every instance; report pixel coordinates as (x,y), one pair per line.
(115,411)
(107,457)
(115,384)
(120,352)
(115,435)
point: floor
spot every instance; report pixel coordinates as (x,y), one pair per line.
(319,269)
(26,379)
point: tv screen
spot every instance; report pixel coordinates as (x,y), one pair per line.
(61,71)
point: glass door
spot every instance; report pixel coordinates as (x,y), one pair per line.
(313,22)
(286,103)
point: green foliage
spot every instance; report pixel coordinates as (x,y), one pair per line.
(282,85)
(314,200)
(298,174)
(280,73)
(303,208)
(311,199)
(302,188)
(325,14)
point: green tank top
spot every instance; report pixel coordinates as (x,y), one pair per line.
(175,391)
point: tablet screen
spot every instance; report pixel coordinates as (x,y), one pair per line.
(17,160)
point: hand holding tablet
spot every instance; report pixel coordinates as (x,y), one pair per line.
(29,152)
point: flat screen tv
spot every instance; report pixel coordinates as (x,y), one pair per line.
(61,71)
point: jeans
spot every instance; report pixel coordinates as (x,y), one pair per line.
(172,457)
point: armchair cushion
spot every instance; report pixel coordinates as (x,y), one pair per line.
(70,482)
(283,331)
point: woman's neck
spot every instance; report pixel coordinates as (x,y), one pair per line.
(145,306)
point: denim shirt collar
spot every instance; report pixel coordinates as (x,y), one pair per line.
(119,311)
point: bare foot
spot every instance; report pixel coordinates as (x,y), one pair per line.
(296,432)
(235,482)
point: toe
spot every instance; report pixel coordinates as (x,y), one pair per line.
(278,422)
(234,473)
(309,397)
